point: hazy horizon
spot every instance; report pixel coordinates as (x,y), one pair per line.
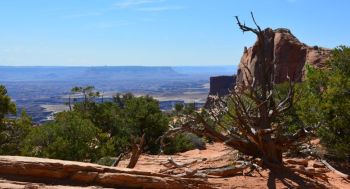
(82,66)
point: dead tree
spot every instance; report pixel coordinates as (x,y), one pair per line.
(136,152)
(254,109)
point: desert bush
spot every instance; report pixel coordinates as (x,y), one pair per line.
(6,105)
(13,132)
(126,118)
(106,161)
(68,137)
(179,143)
(326,102)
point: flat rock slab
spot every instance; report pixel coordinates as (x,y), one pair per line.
(86,174)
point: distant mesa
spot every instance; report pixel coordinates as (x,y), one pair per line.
(9,73)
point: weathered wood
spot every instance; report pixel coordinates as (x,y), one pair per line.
(310,172)
(216,172)
(252,106)
(136,152)
(180,165)
(345,176)
(91,174)
(116,162)
(224,171)
(192,174)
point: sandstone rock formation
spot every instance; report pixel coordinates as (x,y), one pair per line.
(53,172)
(287,55)
(220,85)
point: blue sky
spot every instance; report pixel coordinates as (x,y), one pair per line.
(156,32)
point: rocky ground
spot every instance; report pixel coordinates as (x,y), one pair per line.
(216,155)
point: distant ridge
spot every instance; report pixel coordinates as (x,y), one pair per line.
(210,70)
(61,73)
(38,73)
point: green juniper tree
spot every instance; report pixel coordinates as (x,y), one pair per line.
(326,102)
(6,105)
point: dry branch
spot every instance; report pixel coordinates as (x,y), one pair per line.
(227,171)
(224,171)
(192,174)
(116,162)
(310,173)
(136,152)
(254,112)
(181,165)
(345,176)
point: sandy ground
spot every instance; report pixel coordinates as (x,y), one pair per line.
(219,155)
(216,155)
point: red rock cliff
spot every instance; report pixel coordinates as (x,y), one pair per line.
(287,53)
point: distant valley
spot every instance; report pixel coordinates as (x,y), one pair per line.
(42,91)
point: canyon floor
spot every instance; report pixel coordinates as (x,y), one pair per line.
(214,156)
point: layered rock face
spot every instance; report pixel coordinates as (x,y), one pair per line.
(220,86)
(287,55)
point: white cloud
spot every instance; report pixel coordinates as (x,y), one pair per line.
(160,8)
(134,3)
(88,14)
(107,25)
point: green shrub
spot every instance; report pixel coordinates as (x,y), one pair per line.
(125,119)
(180,143)
(106,161)
(326,103)
(69,137)
(12,133)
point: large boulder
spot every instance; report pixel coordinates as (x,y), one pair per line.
(287,55)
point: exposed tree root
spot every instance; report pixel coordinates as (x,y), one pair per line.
(214,172)
(310,173)
(345,176)
(181,165)
(192,174)
(116,162)
(136,152)
(225,171)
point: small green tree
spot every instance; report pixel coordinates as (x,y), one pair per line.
(143,116)
(13,133)
(178,108)
(6,106)
(89,95)
(126,118)
(326,102)
(68,137)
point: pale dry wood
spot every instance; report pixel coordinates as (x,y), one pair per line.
(136,152)
(181,165)
(116,162)
(91,174)
(345,176)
